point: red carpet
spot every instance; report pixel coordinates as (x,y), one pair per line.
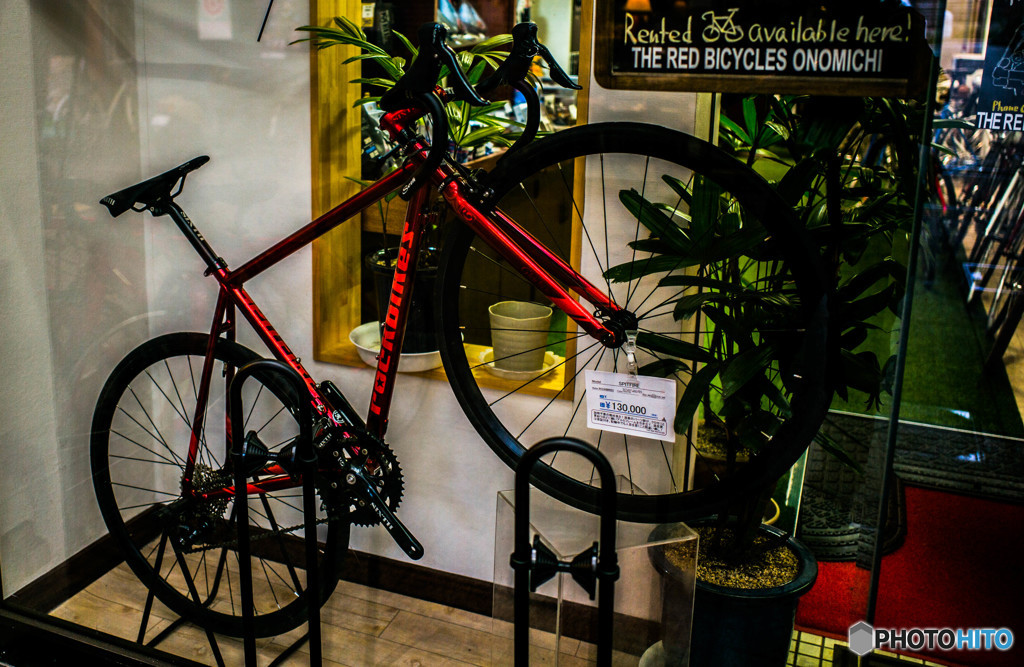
(960,567)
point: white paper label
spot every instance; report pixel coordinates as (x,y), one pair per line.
(631,404)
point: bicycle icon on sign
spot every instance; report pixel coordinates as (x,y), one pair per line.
(722,25)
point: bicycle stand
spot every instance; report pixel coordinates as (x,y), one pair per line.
(170,629)
(306,462)
(307,465)
(594,569)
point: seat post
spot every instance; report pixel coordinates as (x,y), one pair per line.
(213,261)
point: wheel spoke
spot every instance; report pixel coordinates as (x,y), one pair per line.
(636,176)
(143,443)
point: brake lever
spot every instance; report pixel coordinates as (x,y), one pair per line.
(425,70)
(516,66)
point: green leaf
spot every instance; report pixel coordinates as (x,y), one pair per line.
(679,188)
(495,43)
(365,100)
(735,332)
(704,210)
(630,271)
(652,245)
(743,367)
(663,368)
(864,308)
(413,51)
(481,136)
(366,56)
(860,371)
(688,305)
(351,26)
(389,65)
(777,397)
(797,181)
(750,118)
(682,280)
(692,396)
(864,279)
(953,124)
(476,71)
(650,217)
(731,126)
(681,349)
(778,128)
(830,445)
(375,81)
(736,244)
(852,339)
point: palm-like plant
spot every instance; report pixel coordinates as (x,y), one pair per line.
(469,126)
(744,295)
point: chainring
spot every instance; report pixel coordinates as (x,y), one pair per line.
(364,452)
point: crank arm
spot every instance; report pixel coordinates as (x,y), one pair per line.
(362,490)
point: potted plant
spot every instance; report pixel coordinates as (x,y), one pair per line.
(470,127)
(854,213)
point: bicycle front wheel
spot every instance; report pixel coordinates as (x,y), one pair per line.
(185,550)
(739,270)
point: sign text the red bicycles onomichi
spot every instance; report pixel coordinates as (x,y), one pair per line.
(1001,102)
(776,46)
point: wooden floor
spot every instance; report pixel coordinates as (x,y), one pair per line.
(364,626)
(361,626)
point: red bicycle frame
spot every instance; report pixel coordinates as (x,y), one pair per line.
(548,272)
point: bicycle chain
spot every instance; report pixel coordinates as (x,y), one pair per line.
(389,482)
(269,534)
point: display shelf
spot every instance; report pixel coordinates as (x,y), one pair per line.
(553,383)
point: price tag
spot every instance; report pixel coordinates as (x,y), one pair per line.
(631,404)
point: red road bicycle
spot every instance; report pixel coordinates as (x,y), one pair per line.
(160,433)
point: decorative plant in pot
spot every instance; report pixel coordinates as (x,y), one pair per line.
(740,381)
(472,129)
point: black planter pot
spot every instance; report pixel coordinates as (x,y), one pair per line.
(735,627)
(419,331)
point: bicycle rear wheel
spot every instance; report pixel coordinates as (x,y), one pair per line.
(185,551)
(631,170)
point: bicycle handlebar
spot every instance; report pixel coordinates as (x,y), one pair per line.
(514,69)
(426,69)
(418,87)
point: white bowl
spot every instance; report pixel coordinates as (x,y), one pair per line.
(487,361)
(366,338)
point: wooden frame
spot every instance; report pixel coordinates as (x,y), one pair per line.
(335,144)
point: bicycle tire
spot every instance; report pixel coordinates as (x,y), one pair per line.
(551,160)
(1008,284)
(140,432)
(976,193)
(1003,235)
(1004,295)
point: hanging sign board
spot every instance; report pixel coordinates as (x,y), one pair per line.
(1001,101)
(871,47)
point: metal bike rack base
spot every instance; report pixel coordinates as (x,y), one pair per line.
(652,613)
(306,466)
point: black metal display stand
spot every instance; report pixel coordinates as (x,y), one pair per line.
(594,569)
(307,466)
